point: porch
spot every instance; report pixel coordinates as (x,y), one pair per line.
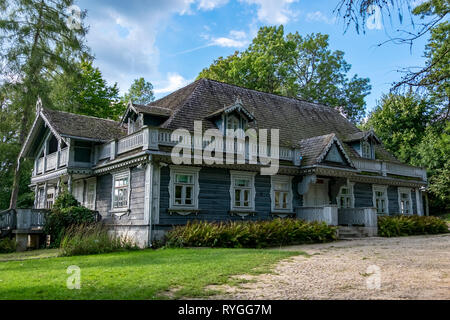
(352,222)
(26,224)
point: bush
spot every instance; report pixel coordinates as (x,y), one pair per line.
(260,234)
(92,239)
(401,225)
(66,212)
(7,245)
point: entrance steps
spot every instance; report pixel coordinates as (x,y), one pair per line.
(355,232)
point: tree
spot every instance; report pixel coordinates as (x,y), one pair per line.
(408,126)
(140,92)
(294,66)
(86,92)
(36,43)
(400,122)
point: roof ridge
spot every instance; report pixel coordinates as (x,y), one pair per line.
(77,114)
(269,93)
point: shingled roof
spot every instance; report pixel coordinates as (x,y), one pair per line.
(296,119)
(75,125)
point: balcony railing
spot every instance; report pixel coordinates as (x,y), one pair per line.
(152,138)
(51,162)
(384,168)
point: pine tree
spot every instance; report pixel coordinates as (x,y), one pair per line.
(38,39)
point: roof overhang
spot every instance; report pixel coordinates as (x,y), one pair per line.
(40,120)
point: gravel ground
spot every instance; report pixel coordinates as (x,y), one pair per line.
(408,267)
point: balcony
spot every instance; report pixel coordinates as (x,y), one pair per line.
(52,161)
(385,168)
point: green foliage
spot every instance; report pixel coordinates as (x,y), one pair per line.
(295,66)
(400,122)
(140,92)
(7,245)
(84,239)
(66,212)
(260,234)
(401,225)
(36,45)
(86,92)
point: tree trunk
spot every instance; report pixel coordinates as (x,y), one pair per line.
(26,112)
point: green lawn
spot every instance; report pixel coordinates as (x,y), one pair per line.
(145,274)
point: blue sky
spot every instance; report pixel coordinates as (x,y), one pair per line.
(168,42)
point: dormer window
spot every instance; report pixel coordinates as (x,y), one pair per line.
(233,124)
(366,150)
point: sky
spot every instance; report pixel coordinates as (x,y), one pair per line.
(168,42)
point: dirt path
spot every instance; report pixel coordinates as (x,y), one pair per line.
(408,268)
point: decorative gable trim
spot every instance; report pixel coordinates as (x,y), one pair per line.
(325,151)
(237,106)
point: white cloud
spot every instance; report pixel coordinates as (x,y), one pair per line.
(173,82)
(273,11)
(320,17)
(210,4)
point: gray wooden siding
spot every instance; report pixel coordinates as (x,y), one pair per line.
(393,200)
(214,197)
(104,190)
(137,193)
(363,195)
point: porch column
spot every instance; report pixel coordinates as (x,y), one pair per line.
(69,184)
(58,155)
(36,196)
(45,194)
(419,202)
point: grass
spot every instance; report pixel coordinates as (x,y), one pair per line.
(144,274)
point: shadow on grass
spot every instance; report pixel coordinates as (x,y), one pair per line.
(143,274)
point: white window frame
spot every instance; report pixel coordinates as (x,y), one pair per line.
(117,176)
(41,198)
(282,179)
(91,181)
(381,188)
(349,185)
(242,175)
(363,153)
(184,170)
(408,192)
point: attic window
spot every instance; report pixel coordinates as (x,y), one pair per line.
(366,150)
(233,123)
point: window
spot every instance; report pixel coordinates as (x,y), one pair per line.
(40,198)
(242,191)
(50,199)
(91,186)
(82,151)
(281,193)
(366,150)
(121,184)
(345,198)
(232,123)
(184,187)
(380,199)
(404,200)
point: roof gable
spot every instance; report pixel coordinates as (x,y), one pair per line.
(323,150)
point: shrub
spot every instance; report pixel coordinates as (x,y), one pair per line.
(86,239)
(401,225)
(260,234)
(66,212)
(7,245)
